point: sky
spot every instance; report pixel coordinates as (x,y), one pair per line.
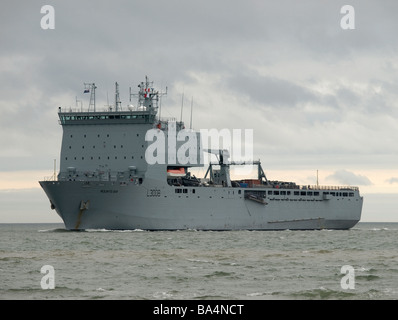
(319,96)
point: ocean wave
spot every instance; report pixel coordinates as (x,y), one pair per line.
(114,230)
(103,290)
(322,293)
(201,261)
(54,230)
(366,277)
(259,294)
(162,295)
(107,264)
(32,293)
(220,274)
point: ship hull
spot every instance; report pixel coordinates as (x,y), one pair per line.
(154,206)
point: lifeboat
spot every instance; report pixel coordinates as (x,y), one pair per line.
(177,172)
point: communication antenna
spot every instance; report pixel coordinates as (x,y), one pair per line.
(90,88)
(182,105)
(81,104)
(55,169)
(161,94)
(118,103)
(160,105)
(109,107)
(190,124)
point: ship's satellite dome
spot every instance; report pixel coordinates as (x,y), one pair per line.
(131,107)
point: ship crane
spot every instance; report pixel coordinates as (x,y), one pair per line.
(220,176)
(222,153)
(223,175)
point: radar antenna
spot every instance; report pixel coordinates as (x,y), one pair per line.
(148,97)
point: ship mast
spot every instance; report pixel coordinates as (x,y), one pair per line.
(90,88)
(118,103)
(148,98)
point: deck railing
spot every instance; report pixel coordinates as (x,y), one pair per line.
(315,187)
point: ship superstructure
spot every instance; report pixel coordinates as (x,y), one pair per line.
(112,177)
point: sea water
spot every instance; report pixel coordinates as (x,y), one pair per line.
(45,261)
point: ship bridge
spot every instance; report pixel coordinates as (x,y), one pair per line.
(109,117)
(111,144)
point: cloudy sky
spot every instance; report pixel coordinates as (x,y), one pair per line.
(317,96)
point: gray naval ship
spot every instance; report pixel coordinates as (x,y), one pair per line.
(105,180)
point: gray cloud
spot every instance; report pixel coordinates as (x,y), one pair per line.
(349,178)
(270,91)
(392,180)
(282,67)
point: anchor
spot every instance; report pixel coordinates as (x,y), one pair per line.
(83,206)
